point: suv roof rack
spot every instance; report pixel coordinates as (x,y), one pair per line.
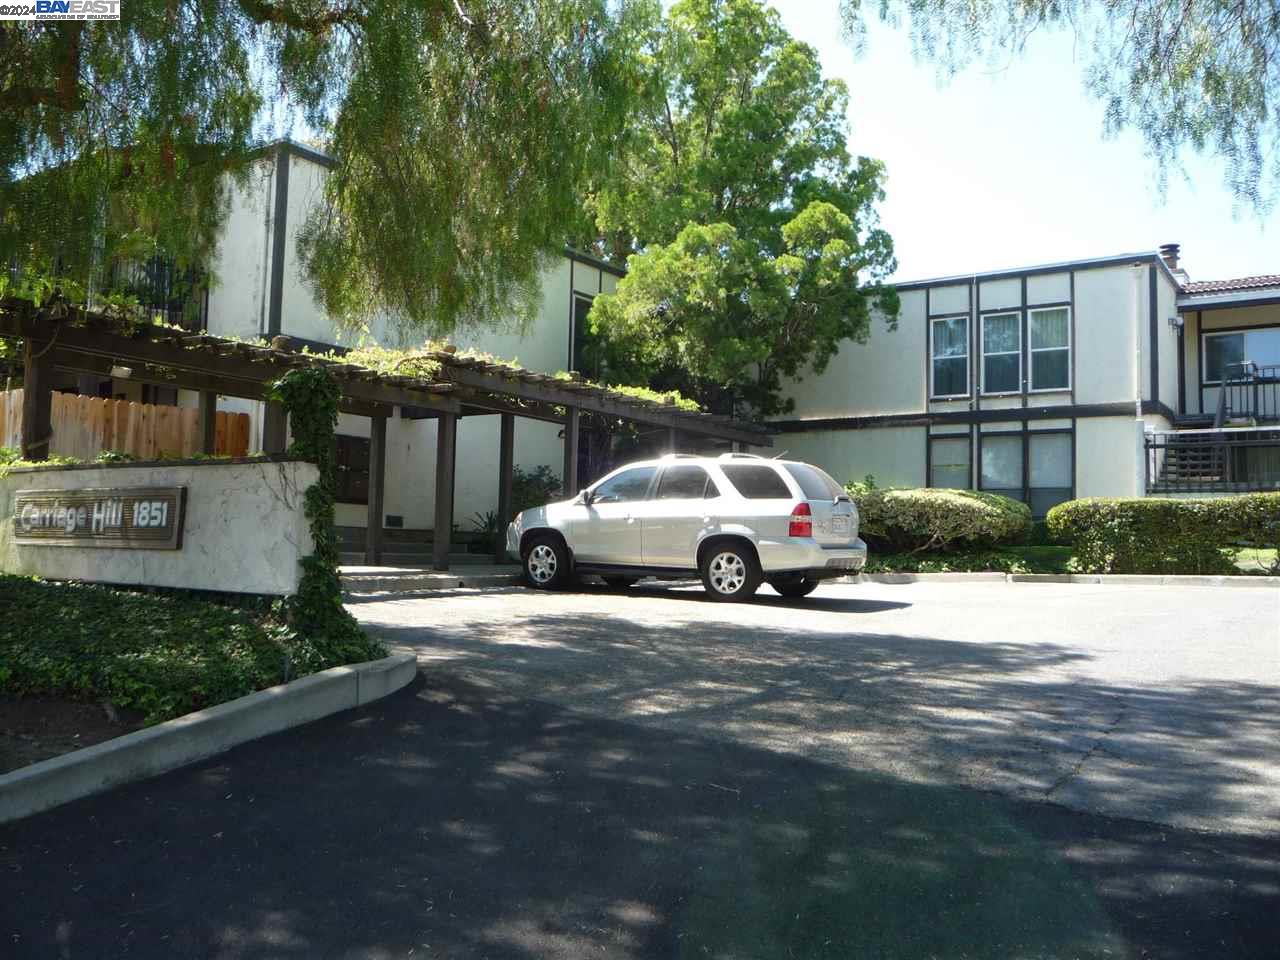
(679,456)
(741,456)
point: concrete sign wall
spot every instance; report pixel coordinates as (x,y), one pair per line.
(241,524)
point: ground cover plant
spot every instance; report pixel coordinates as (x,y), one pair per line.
(162,654)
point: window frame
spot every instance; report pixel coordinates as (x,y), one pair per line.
(1225,332)
(1031,351)
(1026,436)
(930,439)
(968,334)
(983,354)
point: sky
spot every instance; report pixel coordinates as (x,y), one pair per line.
(1007,166)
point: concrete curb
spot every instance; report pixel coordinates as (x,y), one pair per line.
(430,581)
(184,740)
(1112,579)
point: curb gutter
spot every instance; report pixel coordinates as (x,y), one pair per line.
(432,581)
(1112,579)
(184,740)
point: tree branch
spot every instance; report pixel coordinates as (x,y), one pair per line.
(260,11)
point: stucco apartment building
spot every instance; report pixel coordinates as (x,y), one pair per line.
(1113,376)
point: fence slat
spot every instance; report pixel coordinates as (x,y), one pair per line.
(84,427)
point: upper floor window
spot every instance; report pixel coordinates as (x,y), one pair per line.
(1224,353)
(1049,334)
(1001,353)
(949,356)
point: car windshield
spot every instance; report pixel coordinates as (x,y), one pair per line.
(815,483)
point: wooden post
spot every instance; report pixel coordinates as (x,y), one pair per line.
(275,428)
(506,467)
(37,400)
(446,446)
(570,451)
(377,487)
(671,440)
(208,421)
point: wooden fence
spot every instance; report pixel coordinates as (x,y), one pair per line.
(85,426)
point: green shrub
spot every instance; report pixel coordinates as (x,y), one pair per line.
(927,518)
(532,488)
(161,653)
(1152,535)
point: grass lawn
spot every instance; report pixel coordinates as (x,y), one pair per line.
(159,654)
(1256,559)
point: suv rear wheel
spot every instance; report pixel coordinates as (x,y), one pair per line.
(730,571)
(794,587)
(546,565)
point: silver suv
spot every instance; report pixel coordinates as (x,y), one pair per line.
(736,521)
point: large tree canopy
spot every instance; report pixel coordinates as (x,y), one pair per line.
(752,231)
(1186,74)
(463,131)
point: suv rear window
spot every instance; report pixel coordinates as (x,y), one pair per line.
(756,482)
(815,484)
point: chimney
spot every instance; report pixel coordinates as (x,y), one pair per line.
(1169,254)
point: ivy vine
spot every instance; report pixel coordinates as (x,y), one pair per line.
(310,396)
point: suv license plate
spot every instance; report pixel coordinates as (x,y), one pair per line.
(839,524)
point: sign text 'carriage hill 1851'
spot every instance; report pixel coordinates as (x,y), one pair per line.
(131,518)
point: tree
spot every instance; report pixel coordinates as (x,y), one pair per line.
(752,233)
(713,305)
(1186,74)
(462,132)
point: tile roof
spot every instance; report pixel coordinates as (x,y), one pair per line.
(1230,286)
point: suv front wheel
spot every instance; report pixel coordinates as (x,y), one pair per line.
(730,571)
(546,565)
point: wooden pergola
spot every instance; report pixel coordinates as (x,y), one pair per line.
(63,337)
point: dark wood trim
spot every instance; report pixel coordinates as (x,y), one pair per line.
(570,475)
(208,420)
(446,459)
(275,427)
(1074,351)
(1066,266)
(377,490)
(506,471)
(604,266)
(1182,368)
(1065,411)
(279,224)
(1199,365)
(37,399)
(1153,336)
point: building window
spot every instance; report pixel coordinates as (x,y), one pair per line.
(584,359)
(1049,332)
(1002,464)
(949,462)
(949,353)
(1225,352)
(1001,353)
(1049,471)
(351,476)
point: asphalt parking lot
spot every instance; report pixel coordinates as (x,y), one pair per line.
(1153,703)
(915,772)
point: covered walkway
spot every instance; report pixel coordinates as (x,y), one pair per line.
(64,337)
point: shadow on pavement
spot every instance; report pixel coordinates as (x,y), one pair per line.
(450,821)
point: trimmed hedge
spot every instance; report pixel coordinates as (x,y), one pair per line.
(927,518)
(1152,535)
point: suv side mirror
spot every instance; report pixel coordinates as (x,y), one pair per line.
(586,497)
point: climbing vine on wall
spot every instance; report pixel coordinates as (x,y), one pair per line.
(310,397)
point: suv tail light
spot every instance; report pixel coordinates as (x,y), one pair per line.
(801,521)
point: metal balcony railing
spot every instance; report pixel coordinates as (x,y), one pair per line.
(1250,392)
(1213,461)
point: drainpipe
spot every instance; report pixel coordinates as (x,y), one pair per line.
(1135,299)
